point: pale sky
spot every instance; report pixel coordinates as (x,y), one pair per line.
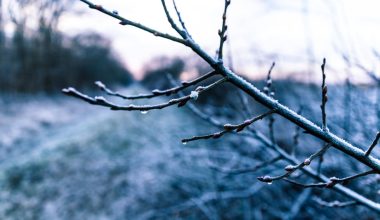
(290,28)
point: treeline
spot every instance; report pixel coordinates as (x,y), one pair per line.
(37,57)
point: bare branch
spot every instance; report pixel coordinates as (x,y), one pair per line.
(374,143)
(268,91)
(320,185)
(242,126)
(262,98)
(265,99)
(101,101)
(223,30)
(345,180)
(258,136)
(124,21)
(313,174)
(332,182)
(183,33)
(324,96)
(323,108)
(229,128)
(180,19)
(334,204)
(156,93)
(307,125)
(291,169)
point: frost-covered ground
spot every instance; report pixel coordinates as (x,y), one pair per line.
(64,159)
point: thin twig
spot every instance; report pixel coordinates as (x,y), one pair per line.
(223,30)
(180,19)
(291,169)
(334,204)
(101,101)
(269,91)
(229,128)
(269,82)
(311,185)
(181,32)
(333,180)
(156,93)
(124,21)
(324,95)
(374,143)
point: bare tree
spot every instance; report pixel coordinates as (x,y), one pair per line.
(222,74)
(34,48)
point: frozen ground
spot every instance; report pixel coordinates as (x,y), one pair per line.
(64,159)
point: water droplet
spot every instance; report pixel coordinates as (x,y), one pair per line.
(184,143)
(269,183)
(144,112)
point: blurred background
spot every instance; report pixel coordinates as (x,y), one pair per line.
(62,158)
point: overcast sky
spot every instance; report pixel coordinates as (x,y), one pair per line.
(296,30)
